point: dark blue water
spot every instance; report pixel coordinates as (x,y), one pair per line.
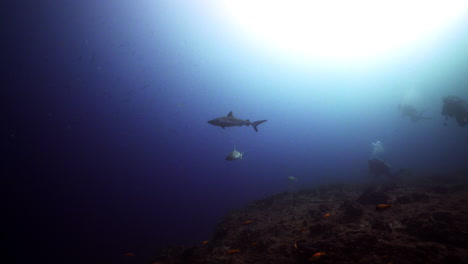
(106,146)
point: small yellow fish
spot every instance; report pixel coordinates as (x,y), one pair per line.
(382,206)
(205,242)
(247,222)
(232,251)
(325,216)
(316,256)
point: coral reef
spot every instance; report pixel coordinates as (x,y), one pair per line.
(424,220)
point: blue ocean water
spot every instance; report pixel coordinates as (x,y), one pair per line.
(108,149)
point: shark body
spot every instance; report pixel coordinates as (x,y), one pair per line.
(234,155)
(230,120)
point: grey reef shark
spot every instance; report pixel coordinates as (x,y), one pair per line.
(234,155)
(230,120)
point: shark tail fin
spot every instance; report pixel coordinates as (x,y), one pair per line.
(256,123)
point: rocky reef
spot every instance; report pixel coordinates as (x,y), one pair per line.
(423,219)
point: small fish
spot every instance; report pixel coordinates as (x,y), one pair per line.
(292,178)
(247,222)
(325,216)
(316,256)
(302,229)
(380,207)
(205,242)
(233,251)
(295,245)
(129,254)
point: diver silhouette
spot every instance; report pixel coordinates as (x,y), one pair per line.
(378,168)
(411,112)
(453,106)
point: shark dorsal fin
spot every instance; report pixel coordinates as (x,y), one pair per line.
(230,114)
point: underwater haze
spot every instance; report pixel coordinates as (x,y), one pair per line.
(108,153)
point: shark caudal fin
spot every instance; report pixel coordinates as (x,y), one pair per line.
(256,123)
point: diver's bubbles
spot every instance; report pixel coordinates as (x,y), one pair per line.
(377,148)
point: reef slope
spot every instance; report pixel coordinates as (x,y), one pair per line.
(426,223)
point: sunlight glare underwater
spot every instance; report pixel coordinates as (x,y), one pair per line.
(339,29)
